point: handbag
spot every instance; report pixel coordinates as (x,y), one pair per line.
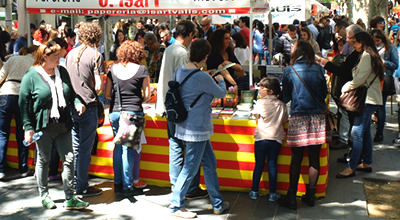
(331,119)
(100,105)
(354,100)
(388,86)
(130,126)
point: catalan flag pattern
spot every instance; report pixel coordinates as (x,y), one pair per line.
(233,144)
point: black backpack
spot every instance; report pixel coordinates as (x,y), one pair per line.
(175,110)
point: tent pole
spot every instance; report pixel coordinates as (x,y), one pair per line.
(270,42)
(251,46)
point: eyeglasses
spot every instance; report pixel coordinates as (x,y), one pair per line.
(203,25)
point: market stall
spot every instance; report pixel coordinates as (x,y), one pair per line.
(233,139)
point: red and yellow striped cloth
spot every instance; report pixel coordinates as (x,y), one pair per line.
(233,144)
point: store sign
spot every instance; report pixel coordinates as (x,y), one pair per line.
(142,7)
(285,11)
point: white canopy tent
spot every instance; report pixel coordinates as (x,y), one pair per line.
(139,8)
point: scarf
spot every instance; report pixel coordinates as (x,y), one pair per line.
(57,91)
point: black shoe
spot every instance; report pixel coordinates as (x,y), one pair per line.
(309,197)
(118,187)
(133,192)
(341,176)
(378,138)
(366,169)
(198,194)
(287,202)
(345,159)
(91,191)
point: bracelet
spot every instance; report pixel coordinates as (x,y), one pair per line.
(234,85)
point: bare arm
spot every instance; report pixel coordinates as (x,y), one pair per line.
(146,89)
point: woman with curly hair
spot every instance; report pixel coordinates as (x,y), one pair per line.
(131,78)
(86,68)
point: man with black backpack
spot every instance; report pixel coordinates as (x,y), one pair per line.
(175,56)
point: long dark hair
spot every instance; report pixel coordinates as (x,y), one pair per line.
(378,33)
(369,46)
(217,41)
(303,48)
(116,41)
(273,84)
(240,41)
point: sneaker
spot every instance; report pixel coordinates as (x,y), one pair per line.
(133,192)
(29,172)
(140,184)
(274,197)
(47,202)
(396,143)
(75,203)
(54,178)
(225,206)
(91,191)
(2,175)
(198,194)
(184,213)
(254,195)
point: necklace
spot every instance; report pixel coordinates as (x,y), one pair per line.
(196,65)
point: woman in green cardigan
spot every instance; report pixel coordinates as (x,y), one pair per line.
(45,99)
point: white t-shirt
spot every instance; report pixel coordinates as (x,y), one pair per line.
(243,55)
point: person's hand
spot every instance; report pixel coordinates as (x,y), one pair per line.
(226,62)
(29,136)
(80,108)
(322,61)
(219,78)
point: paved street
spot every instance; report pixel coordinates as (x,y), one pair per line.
(345,198)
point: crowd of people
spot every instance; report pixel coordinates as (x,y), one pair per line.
(52,86)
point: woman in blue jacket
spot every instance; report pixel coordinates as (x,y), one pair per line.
(307,126)
(390,57)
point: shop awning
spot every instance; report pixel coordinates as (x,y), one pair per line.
(147,7)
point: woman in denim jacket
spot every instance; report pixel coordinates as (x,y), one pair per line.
(307,126)
(388,53)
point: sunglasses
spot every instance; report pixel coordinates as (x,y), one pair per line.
(203,25)
(381,22)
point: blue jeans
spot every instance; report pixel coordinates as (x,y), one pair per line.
(176,159)
(9,108)
(196,153)
(362,139)
(265,149)
(83,135)
(381,114)
(123,157)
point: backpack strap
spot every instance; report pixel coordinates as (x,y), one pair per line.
(184,80)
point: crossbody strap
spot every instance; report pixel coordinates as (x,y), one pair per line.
(309,90)
(118,92)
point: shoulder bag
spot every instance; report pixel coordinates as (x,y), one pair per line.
(130,125)
(330,116)
(354,100)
